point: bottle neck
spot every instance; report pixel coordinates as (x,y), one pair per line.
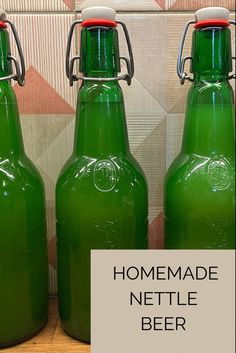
(211,54)
(209,123)
(5,63)
(100,125)
(11,142)
(99,48)
(209,127)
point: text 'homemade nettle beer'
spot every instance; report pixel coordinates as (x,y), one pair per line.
(101,194)
(199,201)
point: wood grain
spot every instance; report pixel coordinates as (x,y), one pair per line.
(52,339)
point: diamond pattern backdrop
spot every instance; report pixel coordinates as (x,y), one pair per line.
(155,102)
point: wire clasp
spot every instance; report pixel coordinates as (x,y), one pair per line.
(71,61)
(233,58)
(181,61)
(19,74)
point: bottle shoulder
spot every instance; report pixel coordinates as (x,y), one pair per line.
(100,92)
(207,92)
(107,170)
(214,172)
(20,174)
(7,94)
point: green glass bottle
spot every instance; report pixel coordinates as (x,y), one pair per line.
(101,193)
(199,194)
(23,243)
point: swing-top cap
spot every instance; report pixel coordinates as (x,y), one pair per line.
(212,16)
(98,16)
(3,17)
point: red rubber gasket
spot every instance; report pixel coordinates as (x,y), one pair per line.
(3,24)
(212,22)
(98,22)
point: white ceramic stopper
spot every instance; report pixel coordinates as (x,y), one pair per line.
(208,13)
(99,12)
(3,15)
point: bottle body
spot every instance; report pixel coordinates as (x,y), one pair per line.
(199,198)
(200,184)
(101,200)
(23,243)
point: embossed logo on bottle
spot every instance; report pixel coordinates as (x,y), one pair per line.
(104,175)
(220,173)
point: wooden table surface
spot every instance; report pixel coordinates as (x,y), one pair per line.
(52,339)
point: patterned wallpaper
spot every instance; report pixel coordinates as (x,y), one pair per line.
(155,102)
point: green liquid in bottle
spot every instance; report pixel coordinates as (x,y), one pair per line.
(101,194)
(23,243)
(199,197)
